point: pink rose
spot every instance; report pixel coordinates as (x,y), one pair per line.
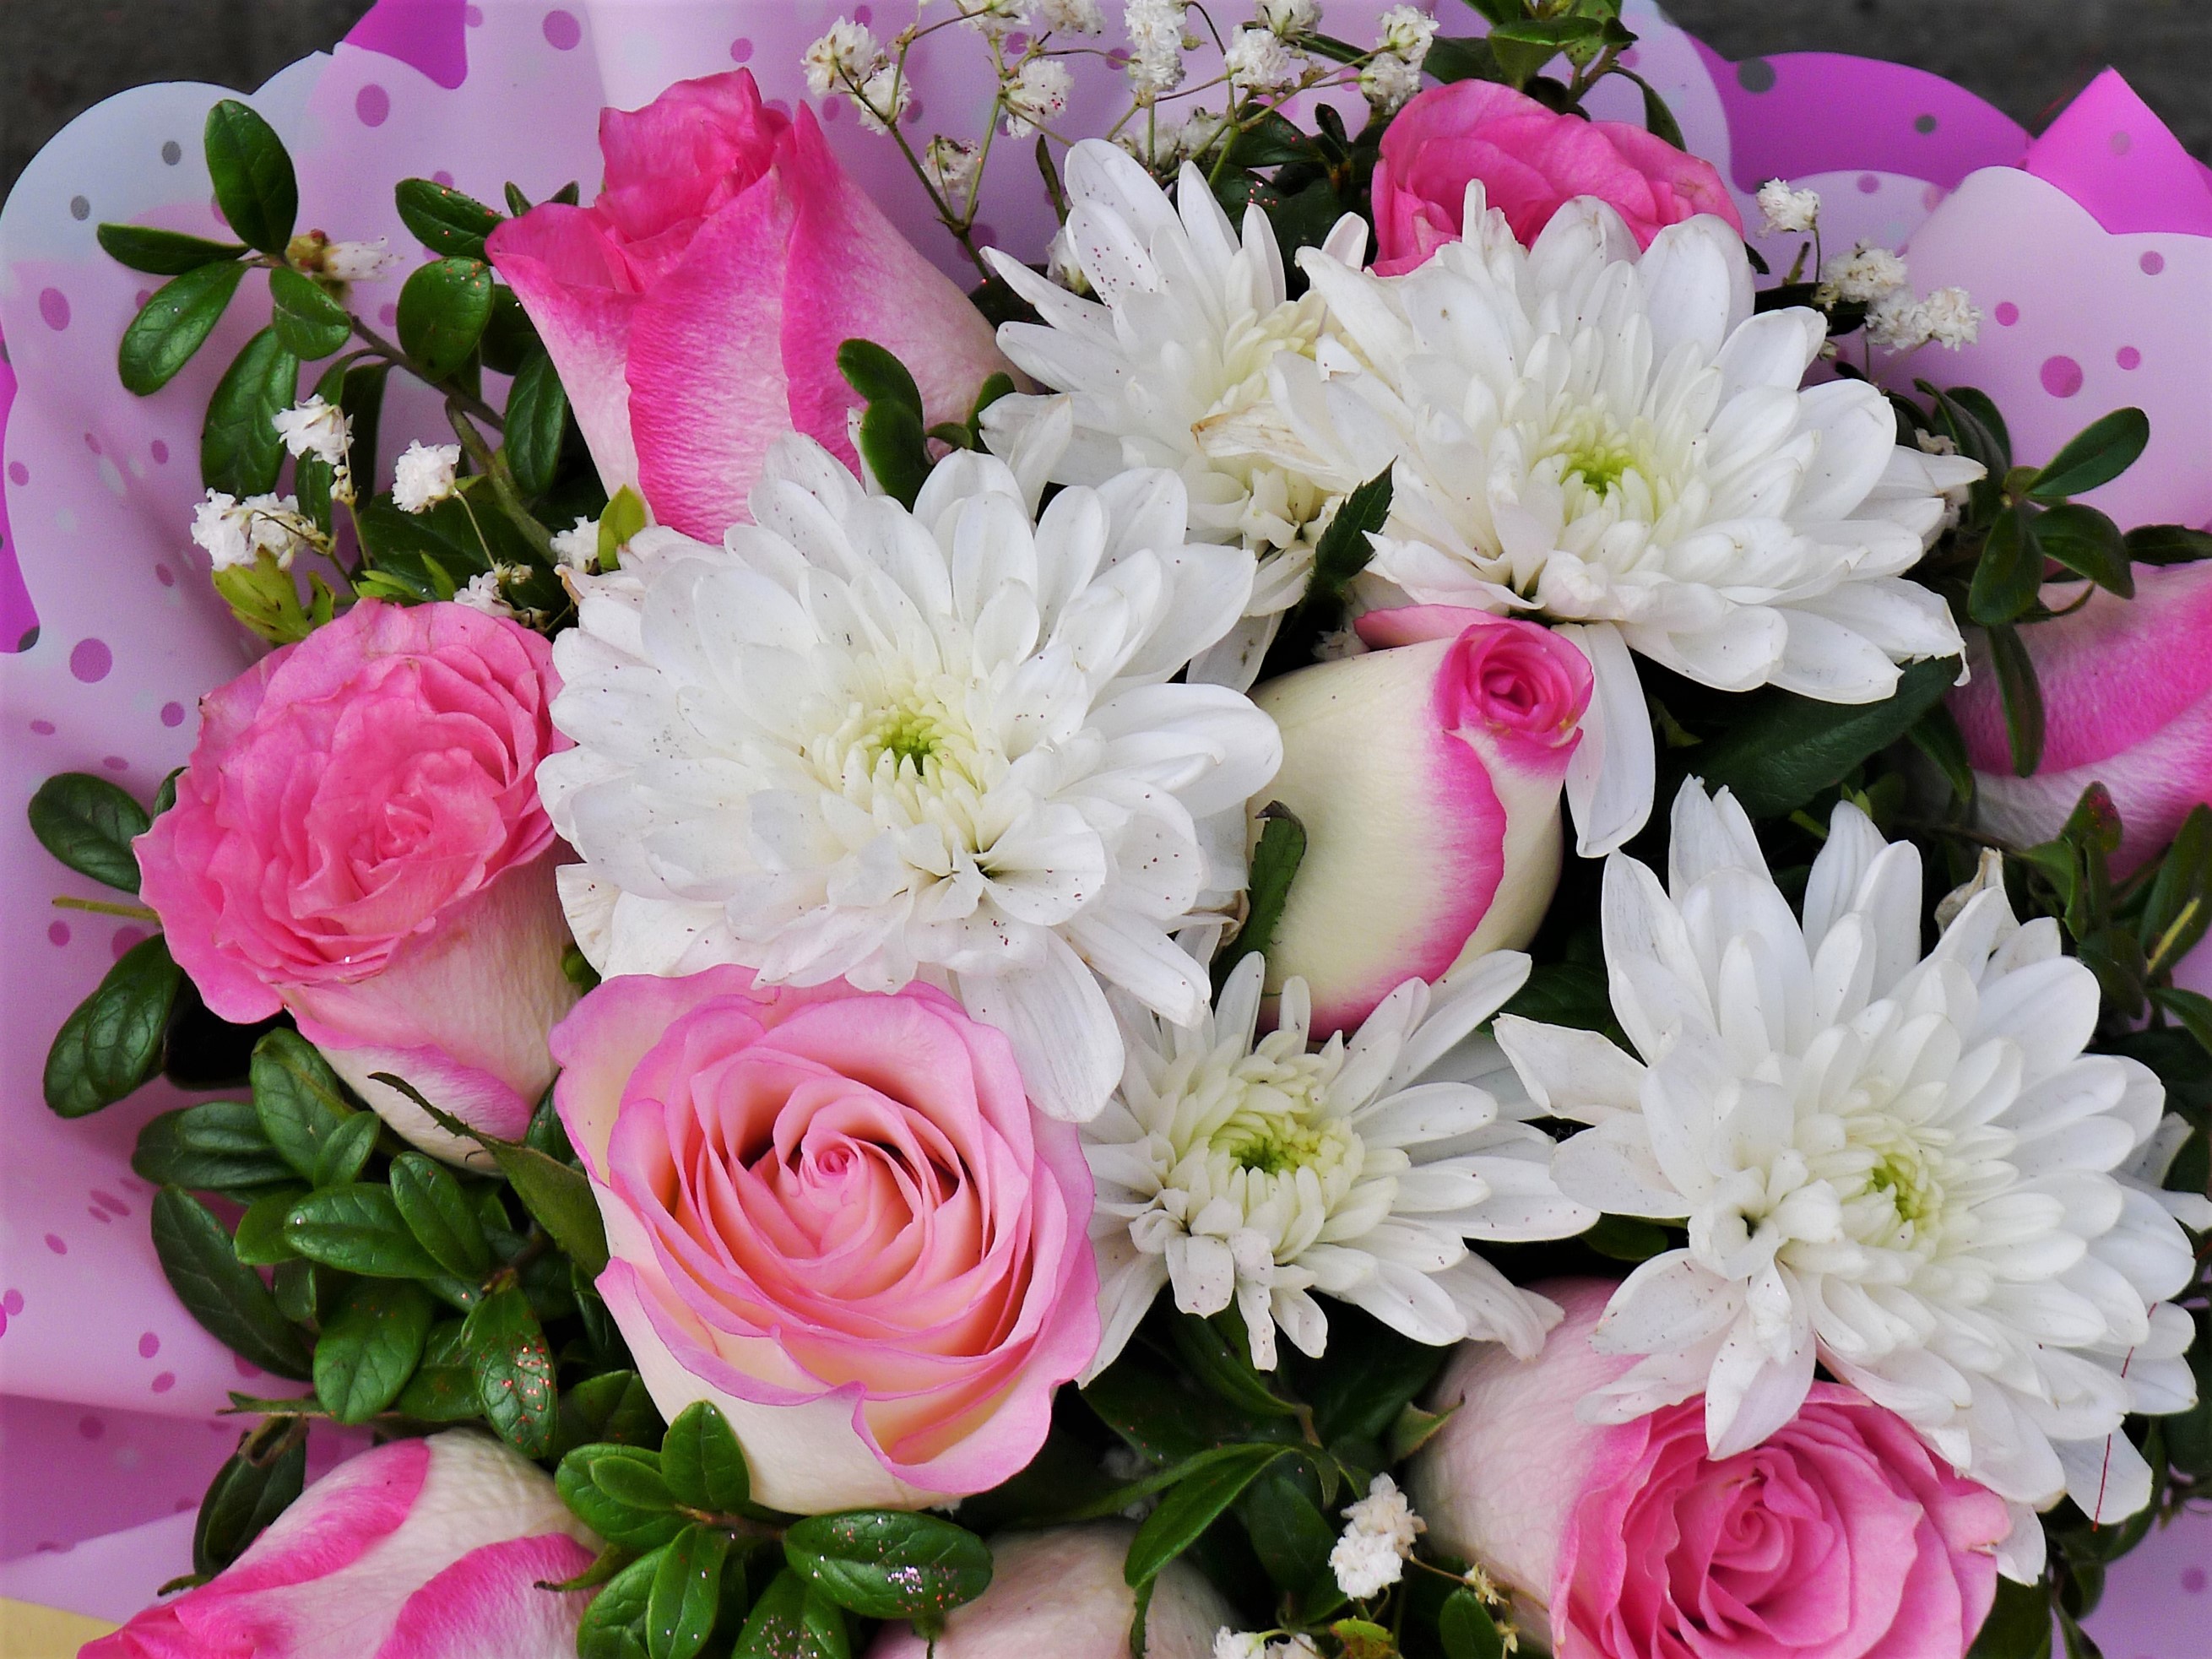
(2127,698)
(358,839)
(1532,161)
(833,1214)
(1428,777)
(1841,1536)
(420,1549)
(695,309)
(1060,1594)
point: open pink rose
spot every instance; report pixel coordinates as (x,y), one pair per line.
(695,309)
(1428,778)
(358,839)
(420,1549)
(1532,161)
(833,1214)
(1841,1536)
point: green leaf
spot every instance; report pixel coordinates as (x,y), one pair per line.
(358,389)
(217,1146)
(1359,1387)
(889,1564)
(255,1486)
(1466,1629)
(894,445)
(1784,750)
(309,322)
(2010,572)
(2191,1009)
(793,1620)
(2168,543)
(1190,1508)
(162,253)
(537,417)
(2088,543)
(598,1482)
(1971,420)
(225,1296)
(253,181)
(88,823)
(299,1099)
(1565,993)
(174,325)
(357,1229)
(370,1345)
(686,1594)
(1658,120)
(702,1462)
(259,1241)
(613,1626)
(112,1043)
(239,450)
(625,515)
(1223,1366)
(2018,1626)
(877,376)
(2022,697)
(1344,550)
(2178,907)
(437,1212)
(346,1152)
(2096,455)
(514,1370)
(444,1387)
(443,307)
(1275,861)
(509,336)
(444,220)
(1458,58)
(1625,1238)
(1289,1534)
(1937,736)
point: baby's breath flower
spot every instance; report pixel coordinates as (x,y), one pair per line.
(950,166)
(423,475)
(1035,95)
(358,262)
(1291,16)
(234,533)
(1787,211)
(1898,322)
(577,548)
(1258,62)
(1378,1535)
(314,427)
(842,59)
(1075,16)
(884,98)
(1406,31)
(482,593)
(1388,81)
(993,17)
(1953,320)
(1866,274)
(1156,45)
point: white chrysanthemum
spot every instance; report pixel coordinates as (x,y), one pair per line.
(1615,440)
(1380,1528)
(423,475)
(314,427)
(864,743)
(1240,1168)
(1174,351)
(1787,211)
(1905,1168)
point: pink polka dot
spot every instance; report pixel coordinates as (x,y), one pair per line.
(172,713)
(18,474)
(2061,376)
(372,104)
(831,111)
(864,15)
(987,235)
(53,306)
(562,31)
(160,453)
(1931,196)
(148,1345)
(245,1368)
(741,51)
(473,16)
(90,1427)
(1018,42)
(58,1245)
(101,1215)
(3,1324)
(2192,1580)
(58,932)
(442,176)
(92,442)
(165,1382)
(109,1201)
(185,1504)
(387,315)
(125,938)
(2006,314)
(43,728)
(116,763)
(2151,263)
(12,1302)
(1629,58)
(2120,144)
(91,660)
(164,576)
(2128,357)
(1869,184)
(142,297)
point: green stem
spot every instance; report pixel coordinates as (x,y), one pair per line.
(391,352)
(107,908)
(492,465)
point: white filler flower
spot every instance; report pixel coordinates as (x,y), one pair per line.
(1378,1535)
(864,743)
(1615,442)
(1237,1167)
(1174,351)
(1905,1169)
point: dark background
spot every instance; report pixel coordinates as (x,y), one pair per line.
(58,57)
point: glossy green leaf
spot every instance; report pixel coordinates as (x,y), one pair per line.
(2168,543)
(878,376)
(2010,572)
(613,1626)
(370,1345)
(2088,543)
(510,338)
(2018,1626)
(514,1370)
(450,223)
(2179,909)
(112,1041)
(88,823)
(618,1492)
(2022,696)
(162,253)
(309,322)
(1275,861)
(299,1099)
(346,1152)
(217,1146)
(1344,549)
(226,1297)
(537,417)
(1190,1508)
(702,1462)
(2096,455)
(239,450)
(443,307)
(260,1240)
(252,1489)
(793,1620)
(444,1387)
(357,1229)
(610,1407)
(686,1594)
(1467,1630)
(889,1564)
(436,1210)
(174,325)
(254,184)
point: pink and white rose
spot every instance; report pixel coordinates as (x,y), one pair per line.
(1428,776)
(833,1214)
(358,839)
(1841,1536)
(419,1549)
(1531,162)
(1060,1594)
(695,309)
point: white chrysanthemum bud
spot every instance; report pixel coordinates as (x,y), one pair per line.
(1035,95)
(1075,16)
(482,593)
(1865,274)
(884,98)
(1389,81)
(843,57)
(1291,16)
(423,475)
(1257,62)
(314,427)
(950,166)
(1155,48)
(1953,319)
(1787,211)
(1406,31)
(577,548)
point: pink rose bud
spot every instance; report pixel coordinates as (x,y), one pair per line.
(1531,162)
(358,839)
(833,1214)
(1629,1540)
(420,1549)
(1428,777)
(1060,1594)
(695,309)
(2127,699)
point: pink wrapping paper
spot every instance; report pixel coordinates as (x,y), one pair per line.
(107,1388)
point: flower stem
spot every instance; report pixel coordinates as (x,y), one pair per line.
(107,908)
(391,352)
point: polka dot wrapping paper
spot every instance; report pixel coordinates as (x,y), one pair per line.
(2089,250)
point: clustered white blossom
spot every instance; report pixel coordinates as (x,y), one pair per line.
(1378,1535)
(951,164)
(236,533)
(1258,61)
(1288,17)
(1787,211)
(1256,1644)
(1948,318)
(577,548)
(1075,16)
(315,428)
(1406,31)
(1036,94)
(1157,44)
(483,593)
(1866,274)
(423,475)
(1387,81)
(843,58)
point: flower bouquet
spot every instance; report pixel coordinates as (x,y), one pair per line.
(1178,828)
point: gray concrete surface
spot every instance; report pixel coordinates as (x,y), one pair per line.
(58,56)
